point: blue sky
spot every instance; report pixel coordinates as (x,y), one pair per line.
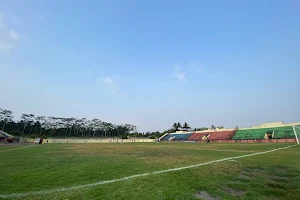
(152,63)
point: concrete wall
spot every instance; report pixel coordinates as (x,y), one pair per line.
(53,140)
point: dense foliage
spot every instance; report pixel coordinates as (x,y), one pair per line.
(30,124)
(35,126)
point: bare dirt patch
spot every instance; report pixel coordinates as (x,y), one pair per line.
(245,177)
(205,196)
(236,193)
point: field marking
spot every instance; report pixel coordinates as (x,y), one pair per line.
(230,150)
(18,148)
(41,192)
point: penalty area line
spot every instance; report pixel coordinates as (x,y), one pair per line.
(41,192)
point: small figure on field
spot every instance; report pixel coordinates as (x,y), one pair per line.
(41,141)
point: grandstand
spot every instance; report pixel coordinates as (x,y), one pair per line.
(198,136)
(223,135)
(275,131)
(265,133)
(176,137)
(213,135)
(5,137)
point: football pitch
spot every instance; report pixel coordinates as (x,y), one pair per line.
(150,171)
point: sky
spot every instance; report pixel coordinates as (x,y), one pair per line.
(152,63)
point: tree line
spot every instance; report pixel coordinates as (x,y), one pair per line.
(29,124)
(186,127)
(42,126)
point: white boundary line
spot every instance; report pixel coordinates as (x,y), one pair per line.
(18,148)
(227,150)
(233,160)
(133,176)
(296,136)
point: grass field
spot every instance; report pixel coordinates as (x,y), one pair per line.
(77,171)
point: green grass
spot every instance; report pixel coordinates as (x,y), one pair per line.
(274,175)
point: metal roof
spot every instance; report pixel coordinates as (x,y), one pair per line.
(5,134)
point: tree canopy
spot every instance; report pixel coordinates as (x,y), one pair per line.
(29,124)
(32,125)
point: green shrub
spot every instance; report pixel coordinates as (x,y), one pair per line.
(152,137)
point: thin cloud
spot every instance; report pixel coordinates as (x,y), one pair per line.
(8,37)
(14,35)
(112,84)
(190,67)
(195,66)
(108,81)
(179,74)
(2,25)
(5,47)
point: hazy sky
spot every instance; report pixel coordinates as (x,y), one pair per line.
(151,63)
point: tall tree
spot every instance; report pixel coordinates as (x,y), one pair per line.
(186,127)
(58,126)
(175,127)
(27,119)
(179,126)
(96,125)
(41,121)
(5,116)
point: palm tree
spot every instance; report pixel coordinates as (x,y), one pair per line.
(179,126)
(5,116)
(41,122)
(175,127)
(185,126)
